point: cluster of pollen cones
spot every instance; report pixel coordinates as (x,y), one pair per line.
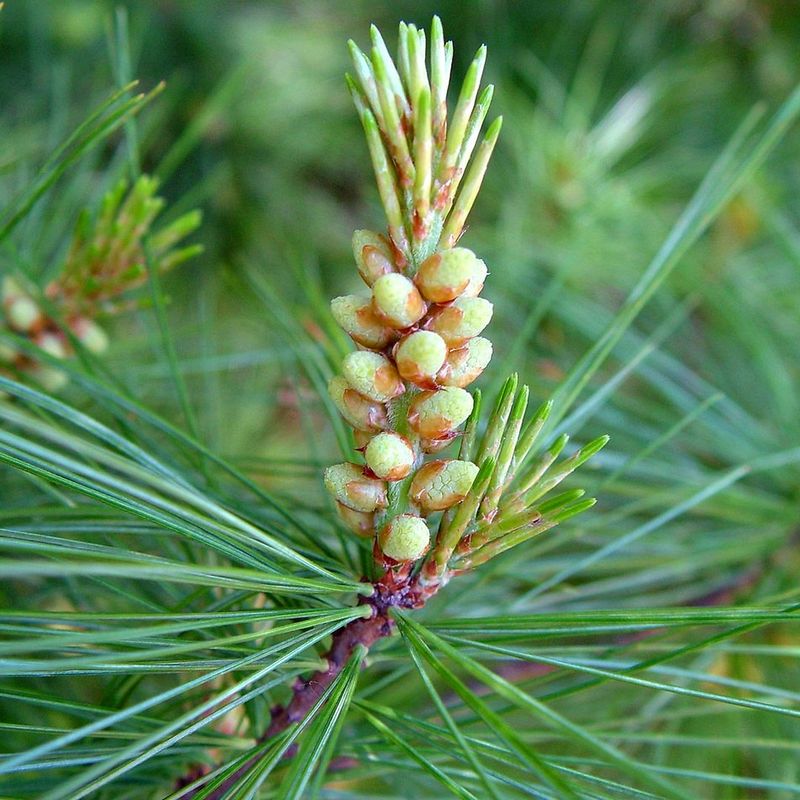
(24,316)
(404,390)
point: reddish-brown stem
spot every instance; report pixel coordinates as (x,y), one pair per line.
(396,589)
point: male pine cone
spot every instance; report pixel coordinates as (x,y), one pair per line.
(404,390)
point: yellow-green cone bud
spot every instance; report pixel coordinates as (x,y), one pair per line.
(362,523)
(21,310)
(420,356)
(459,322)
(450,274)
(372,375)
(465,364)
(51,378)
(23,314)
(389,456)
(53,344)
(397,301)
(90,334)
(349,486)
(358,411)
(404,538)
(438,485)
(373,256)
(355,315)
(10,288)
(436,415)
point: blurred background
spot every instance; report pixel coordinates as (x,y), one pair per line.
(613,112)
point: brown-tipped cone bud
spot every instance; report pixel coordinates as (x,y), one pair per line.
(397,301)
(420,356)
(362,523)
(349,486)
(372,375)
(373,256)
(450,274)
(358,411)
(435,415)
(459,322)
(404,538)
(389,456)
(21,310)
(53,344)
(465,364)
(438,485)
(356,317)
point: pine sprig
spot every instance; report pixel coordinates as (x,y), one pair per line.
(105,264)
(404,390)
(106,259)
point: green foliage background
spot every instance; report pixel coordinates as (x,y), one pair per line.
(614,113)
